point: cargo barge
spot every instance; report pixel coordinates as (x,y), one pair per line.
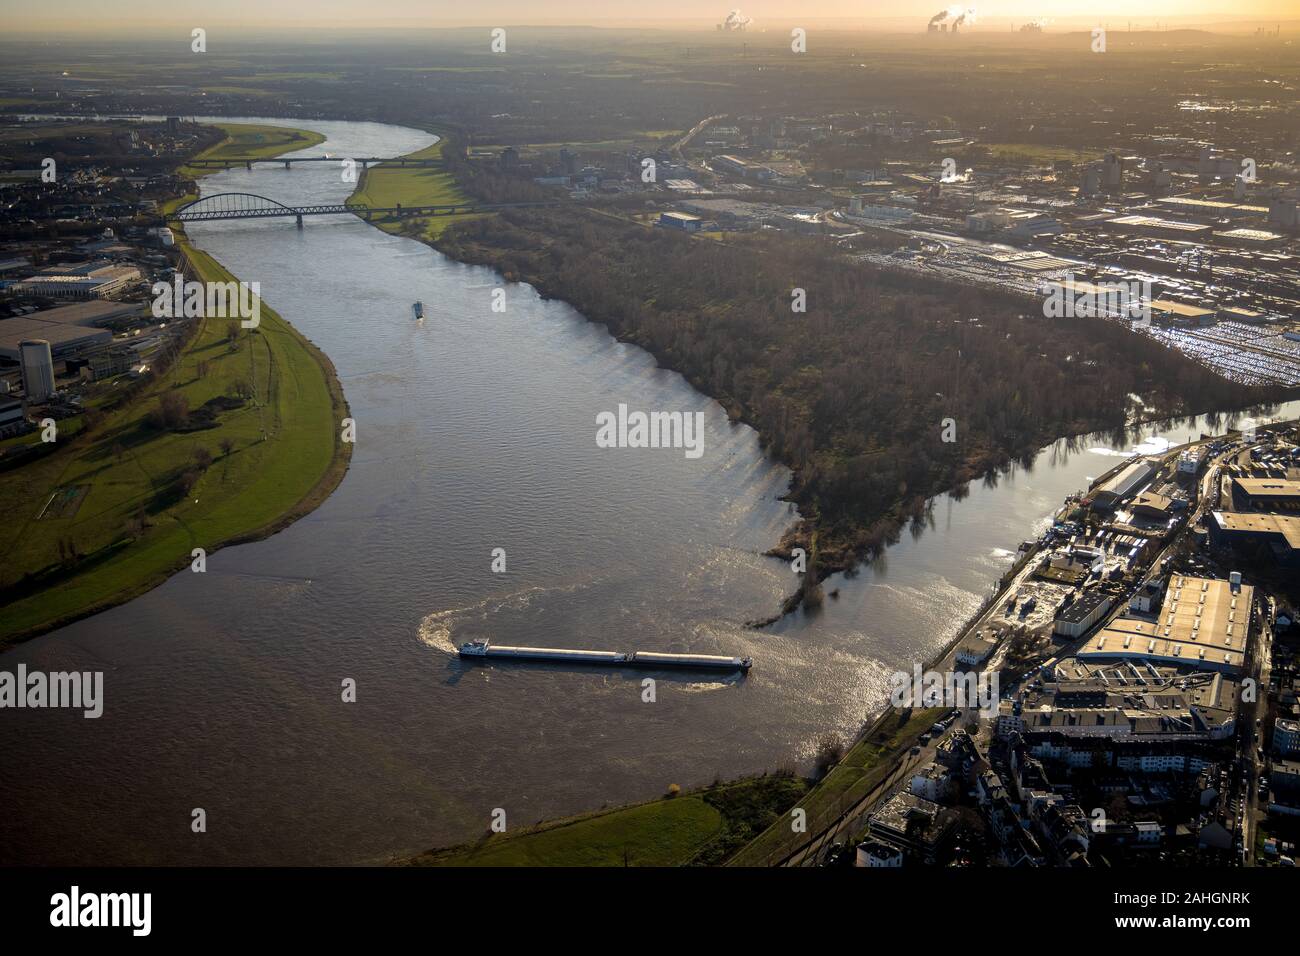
(486,650)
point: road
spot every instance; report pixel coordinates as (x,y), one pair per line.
(853,819)
(680,144)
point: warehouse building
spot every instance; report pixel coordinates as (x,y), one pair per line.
(1246,529)
(92,280)
(1250,238)
(1210,209)
(682,221)
(1075,619)
(95,313)
(1152,226)
(1240,313)
(1203,625)
(741,167)
(1123,484)
(1267,494)
(1019,223)
(1181,313)
(64,338)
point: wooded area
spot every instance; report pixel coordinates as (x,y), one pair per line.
(853,393)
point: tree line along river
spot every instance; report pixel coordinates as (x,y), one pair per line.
(475,431)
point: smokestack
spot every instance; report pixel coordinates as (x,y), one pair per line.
(735,20)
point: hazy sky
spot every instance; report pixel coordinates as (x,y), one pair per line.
(117,15)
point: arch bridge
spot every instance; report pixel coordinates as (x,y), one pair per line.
(252,206)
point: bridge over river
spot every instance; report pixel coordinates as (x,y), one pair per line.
(253,206)
(287,161)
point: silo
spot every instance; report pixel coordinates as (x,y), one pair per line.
(38,369)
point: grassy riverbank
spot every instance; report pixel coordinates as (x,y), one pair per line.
(868,762)
(703,827)
(275,454)
(389,186)
(246,141)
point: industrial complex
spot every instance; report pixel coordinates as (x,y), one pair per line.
(1213,252)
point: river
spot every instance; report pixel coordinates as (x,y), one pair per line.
(475,431)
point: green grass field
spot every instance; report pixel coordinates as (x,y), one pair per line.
(244,141)
(286,458)
(387,186)
(703,827)
(664,833)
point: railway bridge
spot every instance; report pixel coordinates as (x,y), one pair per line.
(252,206)
(287,161)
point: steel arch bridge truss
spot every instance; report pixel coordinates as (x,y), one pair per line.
(251,206)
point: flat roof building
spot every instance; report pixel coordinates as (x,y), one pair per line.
(94,280)
(1202,705)
(680,220)
(1280,533)
(917,826)
(878,854)
(1123,483)
(974,650)
(1240,313)
(1152,226)
(1210,208)
(92,313)
(1204,624)
(1250,238)
(1282,494)
(63,338)
(1075,619)
(1182,312)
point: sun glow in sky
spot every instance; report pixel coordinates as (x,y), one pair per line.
(136,15)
